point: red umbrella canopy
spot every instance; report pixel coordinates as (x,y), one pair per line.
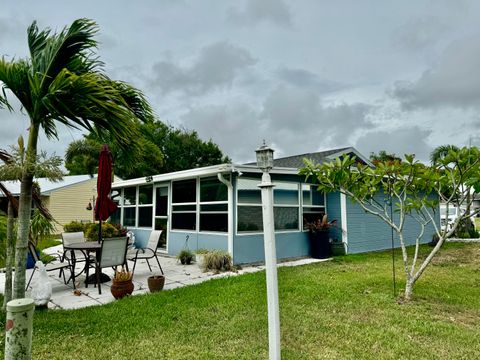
(104,206)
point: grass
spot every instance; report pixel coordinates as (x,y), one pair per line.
(343,309)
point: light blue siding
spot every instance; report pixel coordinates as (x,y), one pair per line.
(334,212)
(250,248)
(177,241)
(367,232)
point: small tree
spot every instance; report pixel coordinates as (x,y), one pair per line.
(412,188)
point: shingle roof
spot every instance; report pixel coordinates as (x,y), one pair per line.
(296,161)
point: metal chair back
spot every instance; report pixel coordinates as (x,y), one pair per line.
(114,251)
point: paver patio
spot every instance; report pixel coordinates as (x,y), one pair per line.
(176,275)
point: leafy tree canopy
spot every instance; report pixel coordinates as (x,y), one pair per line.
(158,149)
(413,190)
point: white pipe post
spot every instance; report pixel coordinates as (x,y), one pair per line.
(271,267)
(19,329)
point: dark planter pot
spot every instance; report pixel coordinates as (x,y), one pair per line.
(319,244)
(338,249)
(121,289)
(156,283)
(186,260)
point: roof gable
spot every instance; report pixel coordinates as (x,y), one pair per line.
(296,161)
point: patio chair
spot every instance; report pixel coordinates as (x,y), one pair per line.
(61,265)
(112,253)
(148,253)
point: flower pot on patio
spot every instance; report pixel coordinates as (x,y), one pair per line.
(156,283)
(122,288)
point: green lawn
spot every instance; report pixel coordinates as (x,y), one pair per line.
(342,309)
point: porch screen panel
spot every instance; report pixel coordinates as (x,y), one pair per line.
(213,205)
(249,206)
(286,206)
(184,203)
(313,202)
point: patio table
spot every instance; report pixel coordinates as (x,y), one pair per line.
(86,248)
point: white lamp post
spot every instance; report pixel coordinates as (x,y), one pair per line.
(265,162)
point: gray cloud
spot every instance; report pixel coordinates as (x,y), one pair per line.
(412,140)
(306,79)
(293,121)
(419,33)
(216,67)
(452,82)
(274,11)
(303,111)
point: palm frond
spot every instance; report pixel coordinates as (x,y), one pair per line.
(15,77)
(70,49)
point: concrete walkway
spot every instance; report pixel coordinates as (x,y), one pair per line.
(176,275)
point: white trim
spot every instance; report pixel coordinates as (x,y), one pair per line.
(343,211)
(201,172)
(230,210)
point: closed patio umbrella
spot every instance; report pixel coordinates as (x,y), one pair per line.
(104,206)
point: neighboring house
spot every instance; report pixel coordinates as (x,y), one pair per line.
(67,200)
(219,207)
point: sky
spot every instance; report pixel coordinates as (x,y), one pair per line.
(303,75)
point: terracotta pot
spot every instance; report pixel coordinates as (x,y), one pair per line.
(121,289)
(156,283)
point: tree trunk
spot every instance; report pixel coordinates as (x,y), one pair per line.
(24,211)
(10,256)
(409,288)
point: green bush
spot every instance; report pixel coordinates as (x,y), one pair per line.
(185,256)
(74,226)
(217,260)
(108,231)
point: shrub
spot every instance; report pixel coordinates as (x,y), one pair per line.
(108,231)
(74,226)
(185,256)
(217,260)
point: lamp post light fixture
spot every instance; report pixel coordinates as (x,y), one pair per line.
(265,162)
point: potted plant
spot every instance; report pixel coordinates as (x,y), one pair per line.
(122,284)
(185,256)
(319,235)
(156,283)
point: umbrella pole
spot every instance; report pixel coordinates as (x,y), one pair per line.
(100,231)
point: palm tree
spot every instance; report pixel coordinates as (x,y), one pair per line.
(440,152)
(62,82)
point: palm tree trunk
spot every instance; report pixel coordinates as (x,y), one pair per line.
(10,254)
(24,211)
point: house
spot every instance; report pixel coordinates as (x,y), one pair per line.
(219,207)
(67,200)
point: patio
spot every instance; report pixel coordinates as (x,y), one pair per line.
(176,275)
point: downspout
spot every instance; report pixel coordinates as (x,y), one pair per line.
(228,183)
(343,212)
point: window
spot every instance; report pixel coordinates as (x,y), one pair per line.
(115,217)
(313,202)
(285,206)
(184,216)
(145,206)
(213,205)
(129,208)
(249,199)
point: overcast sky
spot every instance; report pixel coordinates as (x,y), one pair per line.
(303,75)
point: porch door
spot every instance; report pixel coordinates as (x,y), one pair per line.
(161,214)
